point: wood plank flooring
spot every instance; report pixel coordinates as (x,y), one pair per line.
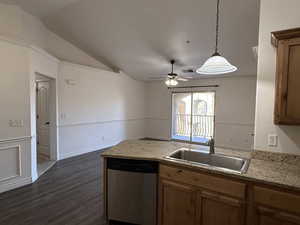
(68,194)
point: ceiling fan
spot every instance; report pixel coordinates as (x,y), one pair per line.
(172,78)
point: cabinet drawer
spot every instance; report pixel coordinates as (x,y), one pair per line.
(225,186)
(276,199)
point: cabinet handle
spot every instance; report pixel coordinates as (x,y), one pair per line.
(179,171)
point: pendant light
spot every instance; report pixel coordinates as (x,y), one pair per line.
(216,64)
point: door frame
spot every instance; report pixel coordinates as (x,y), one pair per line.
(53,129)
(191,92)
(52,156)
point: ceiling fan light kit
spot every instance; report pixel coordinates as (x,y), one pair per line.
(171,82)
(216,64)
(172,78)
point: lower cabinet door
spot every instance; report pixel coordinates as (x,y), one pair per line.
(177,204)
(267,216)
(217,209)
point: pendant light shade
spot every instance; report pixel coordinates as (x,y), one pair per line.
(171,82)
(216,64)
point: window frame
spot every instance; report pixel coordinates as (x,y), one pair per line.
(172,110)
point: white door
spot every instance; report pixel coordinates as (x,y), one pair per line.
(43,119)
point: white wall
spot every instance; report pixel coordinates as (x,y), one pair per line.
(20,25)
(15,139)
(235,110)
(24,43)
(98,109)
(274,15)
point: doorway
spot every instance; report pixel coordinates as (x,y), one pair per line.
(45,101)
(193,116)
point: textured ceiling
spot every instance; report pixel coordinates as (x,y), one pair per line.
(41,8)
(139,37)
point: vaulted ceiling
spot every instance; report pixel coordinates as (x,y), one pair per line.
(139,37)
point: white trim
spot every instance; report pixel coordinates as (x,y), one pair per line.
(13,184)
(19,169)
(23,43)
(16,139)
(217,122)
(19,42)
(98,122)
(201,77)
(88,67)
(235,123)
(44,53)
(84,151)
(158,139)
(152,118)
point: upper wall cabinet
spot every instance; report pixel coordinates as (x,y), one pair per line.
(287,103)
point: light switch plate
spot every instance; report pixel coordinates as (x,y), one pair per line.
(272,140)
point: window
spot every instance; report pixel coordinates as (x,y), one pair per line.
(193,116)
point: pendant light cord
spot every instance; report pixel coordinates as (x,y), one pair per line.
(217,28)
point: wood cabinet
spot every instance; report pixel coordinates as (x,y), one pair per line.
(197,198)
(269,216)
(276,208)
(287,107)
(178,204)
(218,209)
(201,200)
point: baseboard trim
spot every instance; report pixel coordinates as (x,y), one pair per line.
(83,151)
(155,139)
(43,156)
(14,183)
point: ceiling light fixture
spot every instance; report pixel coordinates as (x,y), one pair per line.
(216,64)
(171,82)
(173,78)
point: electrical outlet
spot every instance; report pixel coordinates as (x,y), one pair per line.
(272,140)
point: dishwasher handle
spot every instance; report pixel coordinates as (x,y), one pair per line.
(130,165)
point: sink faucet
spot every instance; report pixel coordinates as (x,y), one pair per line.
(211,144)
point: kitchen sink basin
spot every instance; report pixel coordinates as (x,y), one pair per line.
(222,162)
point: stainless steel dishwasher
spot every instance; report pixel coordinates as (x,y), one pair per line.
(131,191)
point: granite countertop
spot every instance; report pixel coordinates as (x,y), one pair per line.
(277,169)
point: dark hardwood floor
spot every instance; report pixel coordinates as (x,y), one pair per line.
(68,194)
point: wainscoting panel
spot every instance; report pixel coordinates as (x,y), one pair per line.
(15,166)
(10,162)
(77,139)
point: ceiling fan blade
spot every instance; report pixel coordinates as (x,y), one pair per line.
(186,77)
(157,78)
(182,79)
(189,70)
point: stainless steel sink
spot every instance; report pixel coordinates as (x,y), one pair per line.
(222,162)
